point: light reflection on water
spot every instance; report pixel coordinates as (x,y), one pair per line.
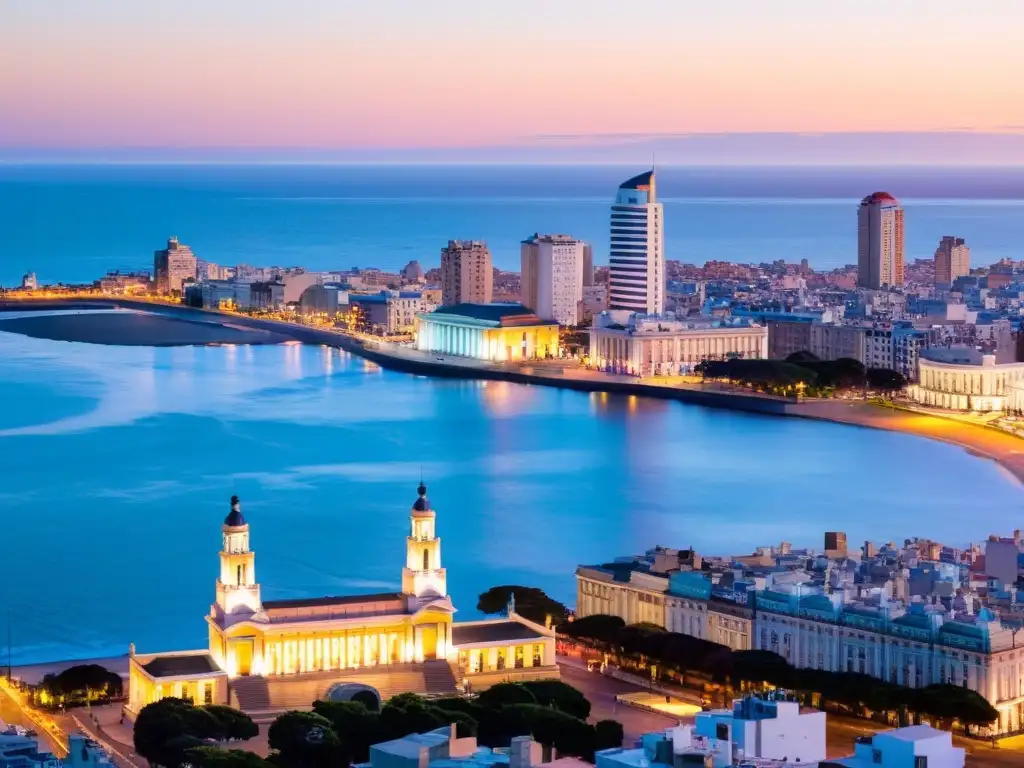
(118,463)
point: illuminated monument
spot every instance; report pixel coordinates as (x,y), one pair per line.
(270,656)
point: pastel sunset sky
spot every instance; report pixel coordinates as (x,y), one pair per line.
(443,75)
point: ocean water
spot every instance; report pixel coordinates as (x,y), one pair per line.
(73,223)
(117,463)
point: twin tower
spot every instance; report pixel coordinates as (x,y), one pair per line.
(238,592)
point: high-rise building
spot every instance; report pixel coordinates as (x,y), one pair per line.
(173,266)
(952,260)
(552,277)
(637,273)
(879,241)
(588,265)
(466,273)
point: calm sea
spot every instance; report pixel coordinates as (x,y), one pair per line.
(116,466)
(73,223)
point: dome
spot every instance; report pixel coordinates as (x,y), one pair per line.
(422,504)
(881,198)
(234,518)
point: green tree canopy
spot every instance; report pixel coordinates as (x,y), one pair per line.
(166,729)
(531,603)
(599,629)
(608,734)
(305,740)
(885,379)
(81,678)
(502,694)
(561,696)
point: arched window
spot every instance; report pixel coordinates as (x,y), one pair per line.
(426,559)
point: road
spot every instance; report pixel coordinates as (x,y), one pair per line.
(601,691)
(12,714)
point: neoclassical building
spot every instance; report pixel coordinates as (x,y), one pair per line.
(963,379)
(495,332)
(268,656)
(655,345)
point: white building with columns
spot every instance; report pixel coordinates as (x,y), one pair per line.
(494,332)
(660,345)
(963,379)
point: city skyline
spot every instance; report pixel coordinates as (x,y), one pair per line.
(388,82)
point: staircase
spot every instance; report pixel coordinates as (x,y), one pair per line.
(265,697)
(250,694)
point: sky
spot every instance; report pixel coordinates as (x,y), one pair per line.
(393,77)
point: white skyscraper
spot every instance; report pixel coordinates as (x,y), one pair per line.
(637,266)
(879,241)
(553,277)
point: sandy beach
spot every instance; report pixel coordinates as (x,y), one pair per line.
(133,329)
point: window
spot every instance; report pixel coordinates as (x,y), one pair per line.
(876,756)
(921,761)
(426,559)
(208,693)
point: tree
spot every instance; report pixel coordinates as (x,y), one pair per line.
(82,682)
(214,757)
(803,356)
(166,729)
(552,728)
(561,696)
(357,727)
(599,629)
(608,734)
(233,724)
(885,379)
(531,603)
(305,740)
(502,694)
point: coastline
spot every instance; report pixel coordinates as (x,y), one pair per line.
(1004,449)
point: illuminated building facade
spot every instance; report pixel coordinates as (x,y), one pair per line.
(963,379)
(494,332)
(661,346)
(173,266)
(275,655)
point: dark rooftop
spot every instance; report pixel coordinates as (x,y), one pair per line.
(235,518)
(638,181)
(494,313)
(493,633)
(313,602)
(173,666)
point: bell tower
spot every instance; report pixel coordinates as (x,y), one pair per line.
(238,592)
(423,575)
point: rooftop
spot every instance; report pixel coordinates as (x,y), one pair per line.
(493,632)
(315,602)
(640,181)
(183,664)
(493,313)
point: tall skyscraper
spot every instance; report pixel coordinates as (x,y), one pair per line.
(553,277)
(879,241)
(173,265)
(952,260)
(466,273)
(637,264)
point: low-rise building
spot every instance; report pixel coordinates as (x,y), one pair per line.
(964,379)
(660,345)
(623,589)
(494,332)
(916,746)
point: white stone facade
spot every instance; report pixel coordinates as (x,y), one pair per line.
(663,346)
(553,277)
(973,383)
